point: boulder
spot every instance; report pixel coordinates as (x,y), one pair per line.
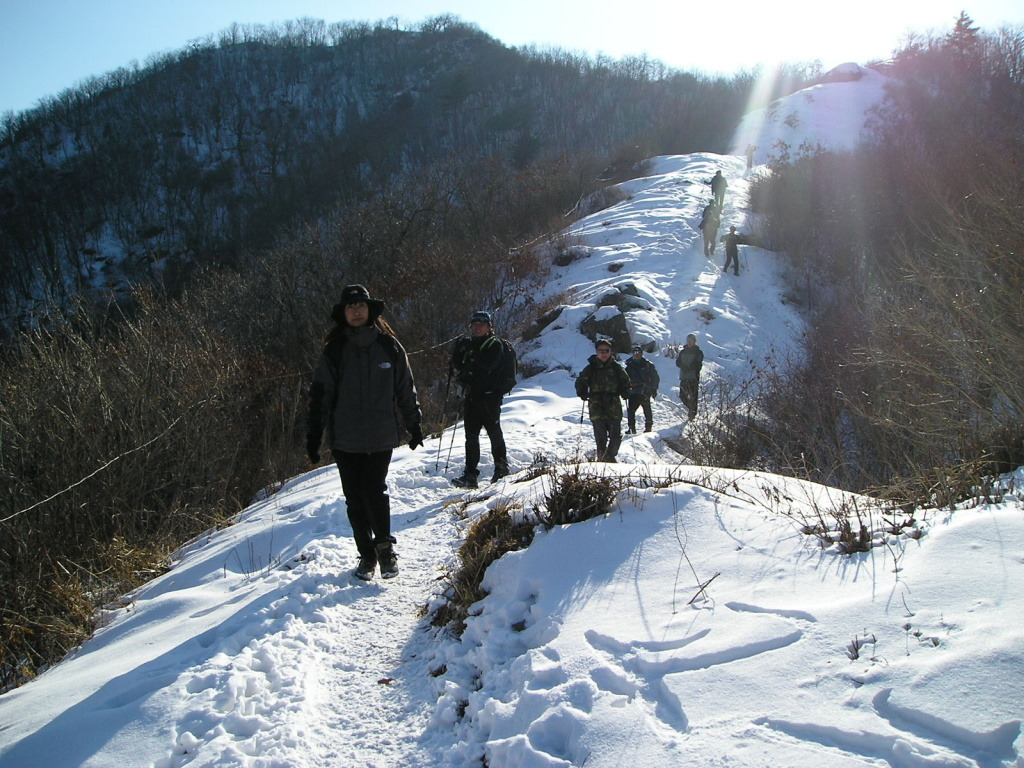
(541,323)
(608,323)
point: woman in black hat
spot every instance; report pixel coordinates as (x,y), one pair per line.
(361,388)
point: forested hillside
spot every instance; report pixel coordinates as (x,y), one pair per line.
(210,152)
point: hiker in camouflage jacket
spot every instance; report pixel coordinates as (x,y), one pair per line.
(604,383)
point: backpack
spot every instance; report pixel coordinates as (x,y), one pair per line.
(500,379)
(508,368)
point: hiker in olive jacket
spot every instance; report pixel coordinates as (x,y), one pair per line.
(604,383)
(363,394)
(710,220)
(689,361)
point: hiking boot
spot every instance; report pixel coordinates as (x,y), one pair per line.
(466,481)
(365,568)
(499,472)
(387,560)
(648,428)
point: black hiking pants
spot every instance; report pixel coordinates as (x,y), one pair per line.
(364,483)
(484,412)
(688,392)
(638,401)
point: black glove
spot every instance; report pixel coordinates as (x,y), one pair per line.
(313,448)
(415,436)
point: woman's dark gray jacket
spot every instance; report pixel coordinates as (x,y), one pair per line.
(363,392)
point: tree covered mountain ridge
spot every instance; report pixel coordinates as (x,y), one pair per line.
(208,152)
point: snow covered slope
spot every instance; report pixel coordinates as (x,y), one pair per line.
(834,115)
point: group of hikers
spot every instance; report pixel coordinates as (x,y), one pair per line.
(605,383)
(711,220)
(363,394)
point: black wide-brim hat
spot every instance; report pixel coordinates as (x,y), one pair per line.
(353,294)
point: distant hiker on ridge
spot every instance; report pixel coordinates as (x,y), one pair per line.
(363,393)
(732,251)
(477,366)
(718,187)
(710,220)
(602,383)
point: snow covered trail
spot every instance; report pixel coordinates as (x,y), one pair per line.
(285,697)
(371,644)
(280,691)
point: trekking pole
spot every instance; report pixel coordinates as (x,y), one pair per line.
(451,445)
(633,440)
(444,417)
(579,432)
(440,444)
(455,424)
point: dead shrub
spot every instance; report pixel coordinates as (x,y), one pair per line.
(599,201)
(944,486)
(733,432)
(43,617)
(120,442)
(577,495)
(542,464)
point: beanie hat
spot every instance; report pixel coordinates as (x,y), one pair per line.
(637,348)
(603,343)
(481,316)
(353,294)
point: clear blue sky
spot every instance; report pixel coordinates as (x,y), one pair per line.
(47,46)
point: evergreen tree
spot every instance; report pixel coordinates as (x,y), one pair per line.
(964,42)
